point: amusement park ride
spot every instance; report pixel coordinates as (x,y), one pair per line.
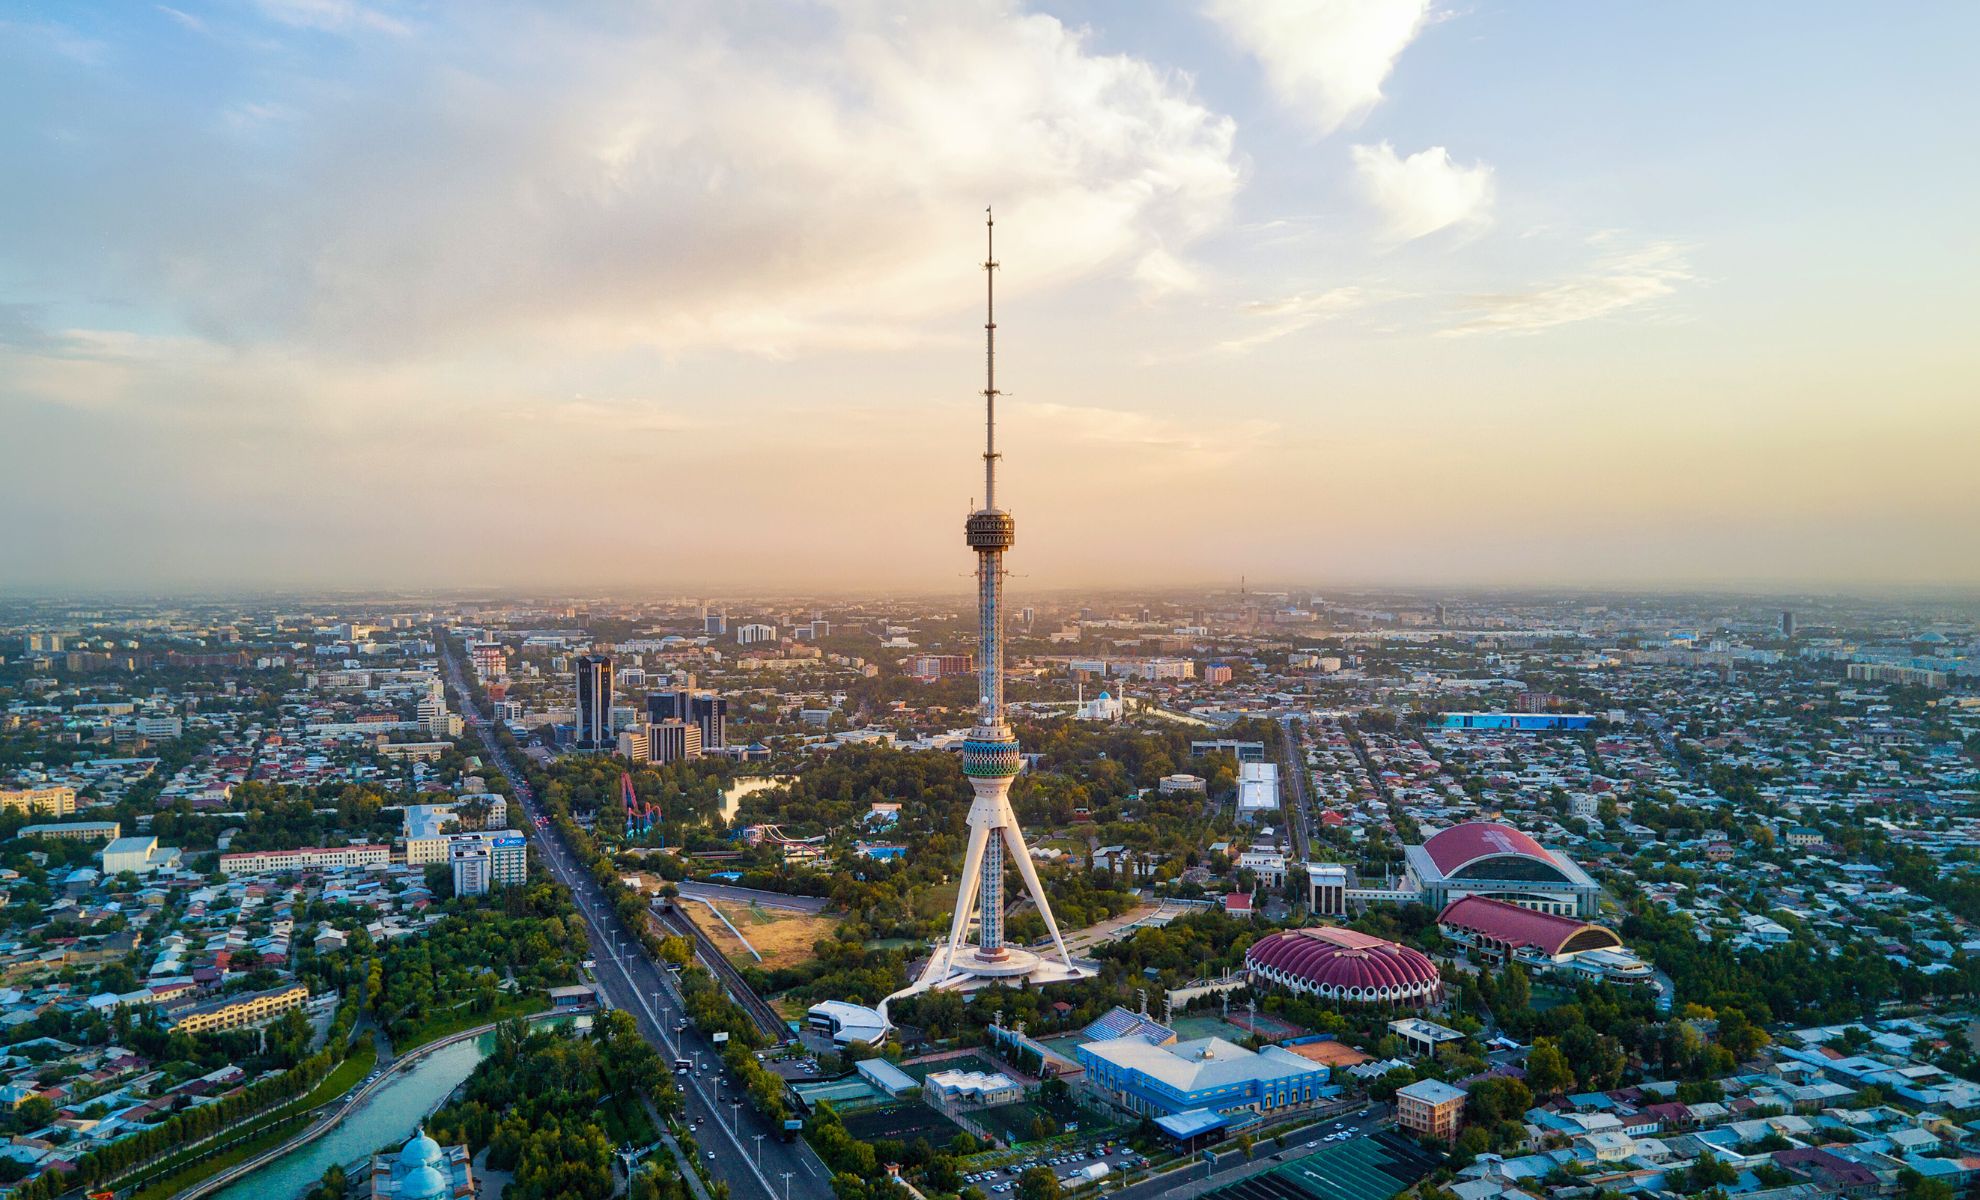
(641,816)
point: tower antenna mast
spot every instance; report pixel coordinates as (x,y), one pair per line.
(989,360)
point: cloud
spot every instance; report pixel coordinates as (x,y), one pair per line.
(1324,59)
(1291,314)
(332,16)
(1628,280)
(1423,193)
(1155,438)
(185,19)
(675,177)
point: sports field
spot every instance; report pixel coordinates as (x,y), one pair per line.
(1190,1028)
(902,1122)
(1271,1028)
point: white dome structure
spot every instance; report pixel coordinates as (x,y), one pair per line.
(421,1151)
(419,1171)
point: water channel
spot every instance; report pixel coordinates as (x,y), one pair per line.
(387,1117)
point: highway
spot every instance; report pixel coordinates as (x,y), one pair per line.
(1296,775)
(738,1146)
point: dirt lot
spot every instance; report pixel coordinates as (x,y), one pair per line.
(783,938)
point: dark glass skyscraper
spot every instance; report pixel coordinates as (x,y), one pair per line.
(594,702)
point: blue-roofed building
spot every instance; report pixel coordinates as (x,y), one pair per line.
(1209,1073)
(1119,1022)
(1195,1128)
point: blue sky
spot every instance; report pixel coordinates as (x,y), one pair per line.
(1338,291)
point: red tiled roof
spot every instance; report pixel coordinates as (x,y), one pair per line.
(1342,958)
(1519,927)
(1473,840)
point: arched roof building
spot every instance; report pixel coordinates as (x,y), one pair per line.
(1344,966)
(1488,858)
(1508,927)
(1494,931)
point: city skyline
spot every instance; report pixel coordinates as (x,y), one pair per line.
(1386,294)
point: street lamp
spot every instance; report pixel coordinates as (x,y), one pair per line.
(735,1111)
(787,1184)
(759,1152)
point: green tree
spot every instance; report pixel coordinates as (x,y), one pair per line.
(1547,1070)
(1038,1183)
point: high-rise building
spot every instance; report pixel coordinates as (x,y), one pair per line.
(672,741)
(489,660)
(1787,623)
(711,713)
(713,624)
(666,706)
(484,860)
(704,709)
(594,702)
(750,635)
(991,759)
(936,666)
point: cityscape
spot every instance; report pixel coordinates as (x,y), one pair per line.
(408,800)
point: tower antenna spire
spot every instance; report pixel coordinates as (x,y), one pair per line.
(989,360)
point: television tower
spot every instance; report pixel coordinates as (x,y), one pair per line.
(991,756)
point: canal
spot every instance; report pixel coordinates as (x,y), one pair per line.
(386,1117)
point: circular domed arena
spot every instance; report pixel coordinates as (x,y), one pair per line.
(1344,967)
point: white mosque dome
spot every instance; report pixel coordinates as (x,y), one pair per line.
(421,1151)
(424,1183)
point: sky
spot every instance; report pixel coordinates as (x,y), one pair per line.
(688,296)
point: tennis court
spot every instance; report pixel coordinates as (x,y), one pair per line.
(1189,1029)
(1271,1028)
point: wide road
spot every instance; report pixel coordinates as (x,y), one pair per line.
(739,1147)
(1294,737)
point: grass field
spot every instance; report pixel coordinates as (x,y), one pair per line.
(783,938)
(356,1065)
(936,901)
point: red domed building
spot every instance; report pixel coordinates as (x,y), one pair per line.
(1344,967)
(1492,859)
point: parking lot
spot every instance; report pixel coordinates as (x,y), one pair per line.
(1073,1166)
